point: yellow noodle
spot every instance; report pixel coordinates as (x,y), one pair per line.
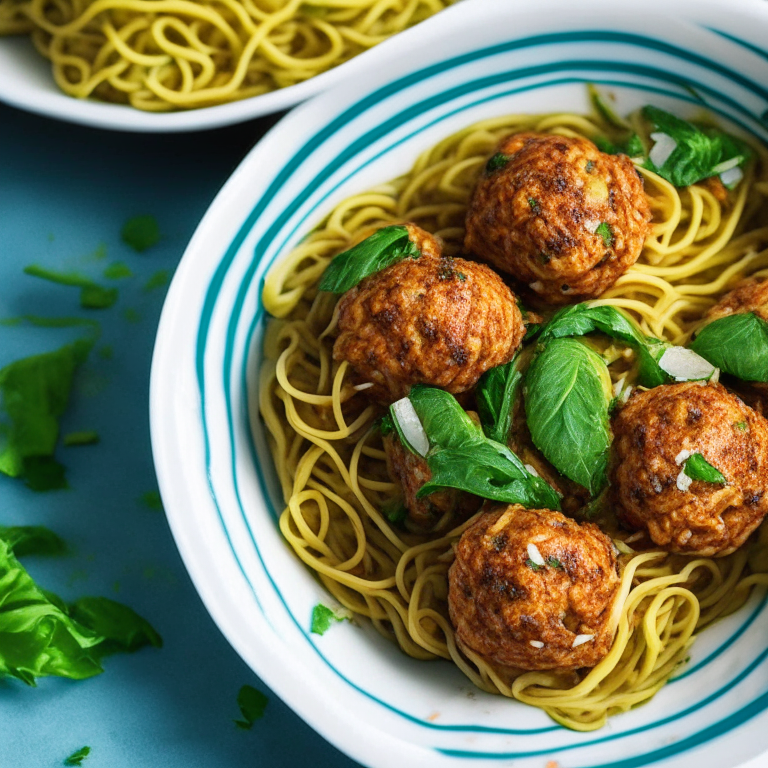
(162,55)
(332,468)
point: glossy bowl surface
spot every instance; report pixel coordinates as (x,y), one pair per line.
(479,59)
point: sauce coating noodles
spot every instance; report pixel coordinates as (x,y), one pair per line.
(159,55)
(332,468)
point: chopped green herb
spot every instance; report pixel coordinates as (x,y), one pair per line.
(590,166)
(461,276)
(395,511)
(158,280)
(252,703)
(382,249)
(533,566)
(35,392)
(151,500)
(32,540)
(605,231)
(81,438)
(698,468)
(76,758)
(140,232)
(386,425)
(553,562)
(323,617)
(117,271)
(742,425)
(534,204)
(496,163)
(92,295)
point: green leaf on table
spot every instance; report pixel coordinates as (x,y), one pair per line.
(120,626)
(567,394)
(92,295)
(77,757)
(685,154)
(383,248)
(460,456)
(32,540)
(252,703)
(324,617)
(698,468)
(736,344)
(35,392)
(495,395)
(118,271)
(140,233)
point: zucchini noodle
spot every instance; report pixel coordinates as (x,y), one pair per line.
(161,55)
(331,464)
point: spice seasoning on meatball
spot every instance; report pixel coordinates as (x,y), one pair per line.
(748,296)
(654,435)
(429,320)
(559,215)
(532,589)
(411,472)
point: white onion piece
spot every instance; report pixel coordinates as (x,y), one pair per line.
(683,481)
(535,555)
(685,365)
(726,165)
(682,456)
(531,470)
(410,426)
(581,639)
(536,643)
(732,177)
(363,387)
(665,145)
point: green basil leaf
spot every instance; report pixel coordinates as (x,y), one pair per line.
(581,319)
(383,248)
(489,470)
(35,392)
(77,757)
(32,540)
(736,344)
(462,457)
(567,393)
(698,152)
(92,295)
(324,617)
(495,395)
(252,703)
(120,626)
(140,232)
(698,468)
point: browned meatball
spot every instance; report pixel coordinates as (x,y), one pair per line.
(515,613)
(560,216)
(435,511)
(653,436)
(748,296)
(430,320)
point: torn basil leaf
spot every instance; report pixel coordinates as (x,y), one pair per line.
(581,319)
(698,468)
(383,248)
(77,757)
(92,295)
(121,628)
(32,540)
(324,617)
(495,395)
(462,457)
(567,393)
(736,344)
(252,704)
(693,153)
(140,233)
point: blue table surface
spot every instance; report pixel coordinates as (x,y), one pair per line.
(65,192)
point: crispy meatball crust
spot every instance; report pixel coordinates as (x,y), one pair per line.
(649,434)
(516,615)
(430,320)
(410,472)
(537,218)
(748,296)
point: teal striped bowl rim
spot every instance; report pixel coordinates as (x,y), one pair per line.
(736,96)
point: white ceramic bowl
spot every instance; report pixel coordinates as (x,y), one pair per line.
(478,59)
(26,82)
